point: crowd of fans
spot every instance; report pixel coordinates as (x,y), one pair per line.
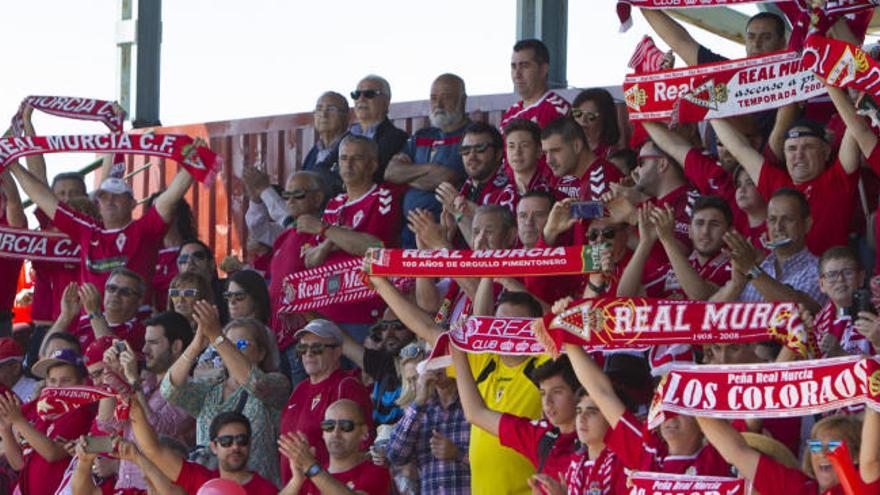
(228,394)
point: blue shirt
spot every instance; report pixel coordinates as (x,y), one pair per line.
(800,272)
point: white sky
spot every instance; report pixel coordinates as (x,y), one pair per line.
(225,59)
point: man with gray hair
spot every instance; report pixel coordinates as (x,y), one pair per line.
(371,100)
(431,157)
(331,124)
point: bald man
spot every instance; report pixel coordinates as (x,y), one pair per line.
(345,432)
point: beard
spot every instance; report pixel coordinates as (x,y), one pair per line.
(234,463)
(441,118)
(161,363)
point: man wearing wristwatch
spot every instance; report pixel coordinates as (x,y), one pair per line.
(790,272)
(349,470)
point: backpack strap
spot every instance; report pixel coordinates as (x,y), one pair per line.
(545,445)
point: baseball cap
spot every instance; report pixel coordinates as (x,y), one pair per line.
(95,352)
(321,328)
(9,349)
(61,356)
(114,185)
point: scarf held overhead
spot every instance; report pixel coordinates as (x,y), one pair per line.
(721,89)
(776,390)
(480,263)
(622,322)
(199,161)
(841,64)
(649,483)
(37,245)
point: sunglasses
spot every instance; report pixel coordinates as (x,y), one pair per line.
(316,349)
(242,440)
(607,233)
(817,446)
(183,292)
(346,425)
(590,116)
(122,291)
(194,257)
(237,296)
(366,93)
(295,194)
(465,150)
(387,325)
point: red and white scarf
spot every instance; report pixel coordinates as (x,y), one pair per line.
(35,245)
(481,263)
(841,64)
(199,161)
(768,390)
(612,322)
(721,89)
(80,109)
(646,57)
(682,484)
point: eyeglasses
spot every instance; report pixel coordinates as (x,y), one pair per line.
(242,440)
(316,349)
(384,325)
(465,150)
(578,113)
(122,291)
(183,292)
(237,296)
(295,194)
(817,446)
(607,233)
(834,274)
(366,93)
(346,425)
(195,257)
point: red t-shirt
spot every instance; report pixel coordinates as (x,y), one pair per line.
(663,282)
(166,270)
(38,476)
(773,477)
(134,246)
(378,212)
(498,190)
(286,259)
(644,451)
(132,331)
(603,476)
(192,476)
(366,478)
(832,187)
(308,403)
(523,435)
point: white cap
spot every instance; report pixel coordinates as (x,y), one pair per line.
(115,185)
(322,328)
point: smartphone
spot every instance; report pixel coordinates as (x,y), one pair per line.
(99,445)
(120,346)
(588,209)
(861,302)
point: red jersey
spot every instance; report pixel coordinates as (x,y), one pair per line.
(548,108)
(134,246)
(663,282)
(834,186)
(524,435)
(366,478)
(602,476)
(639,450)
(131,331)
(598,179)
(192,476)
(773,477)
(830,320)
(498,190)
(166,270)
(39,476)
(286,259)
(50,280)
(308,403)
(9,271)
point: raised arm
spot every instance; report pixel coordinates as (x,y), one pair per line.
(855,124)
(597,384)
(14,211)
(475,410)
(739,147)
(35,163)
(694,286)
(180,370)
(731,445)
(869,453)
(421,323)
(48,449)
(785,116)
(164,458)
(166,202)
(669,141)
(35,189)
(673,34)
(207,316)
(353,350)
(630,283)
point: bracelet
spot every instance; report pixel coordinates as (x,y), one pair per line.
(598,289)
(219,340)
(93,316)
(754,272)
(458,216)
